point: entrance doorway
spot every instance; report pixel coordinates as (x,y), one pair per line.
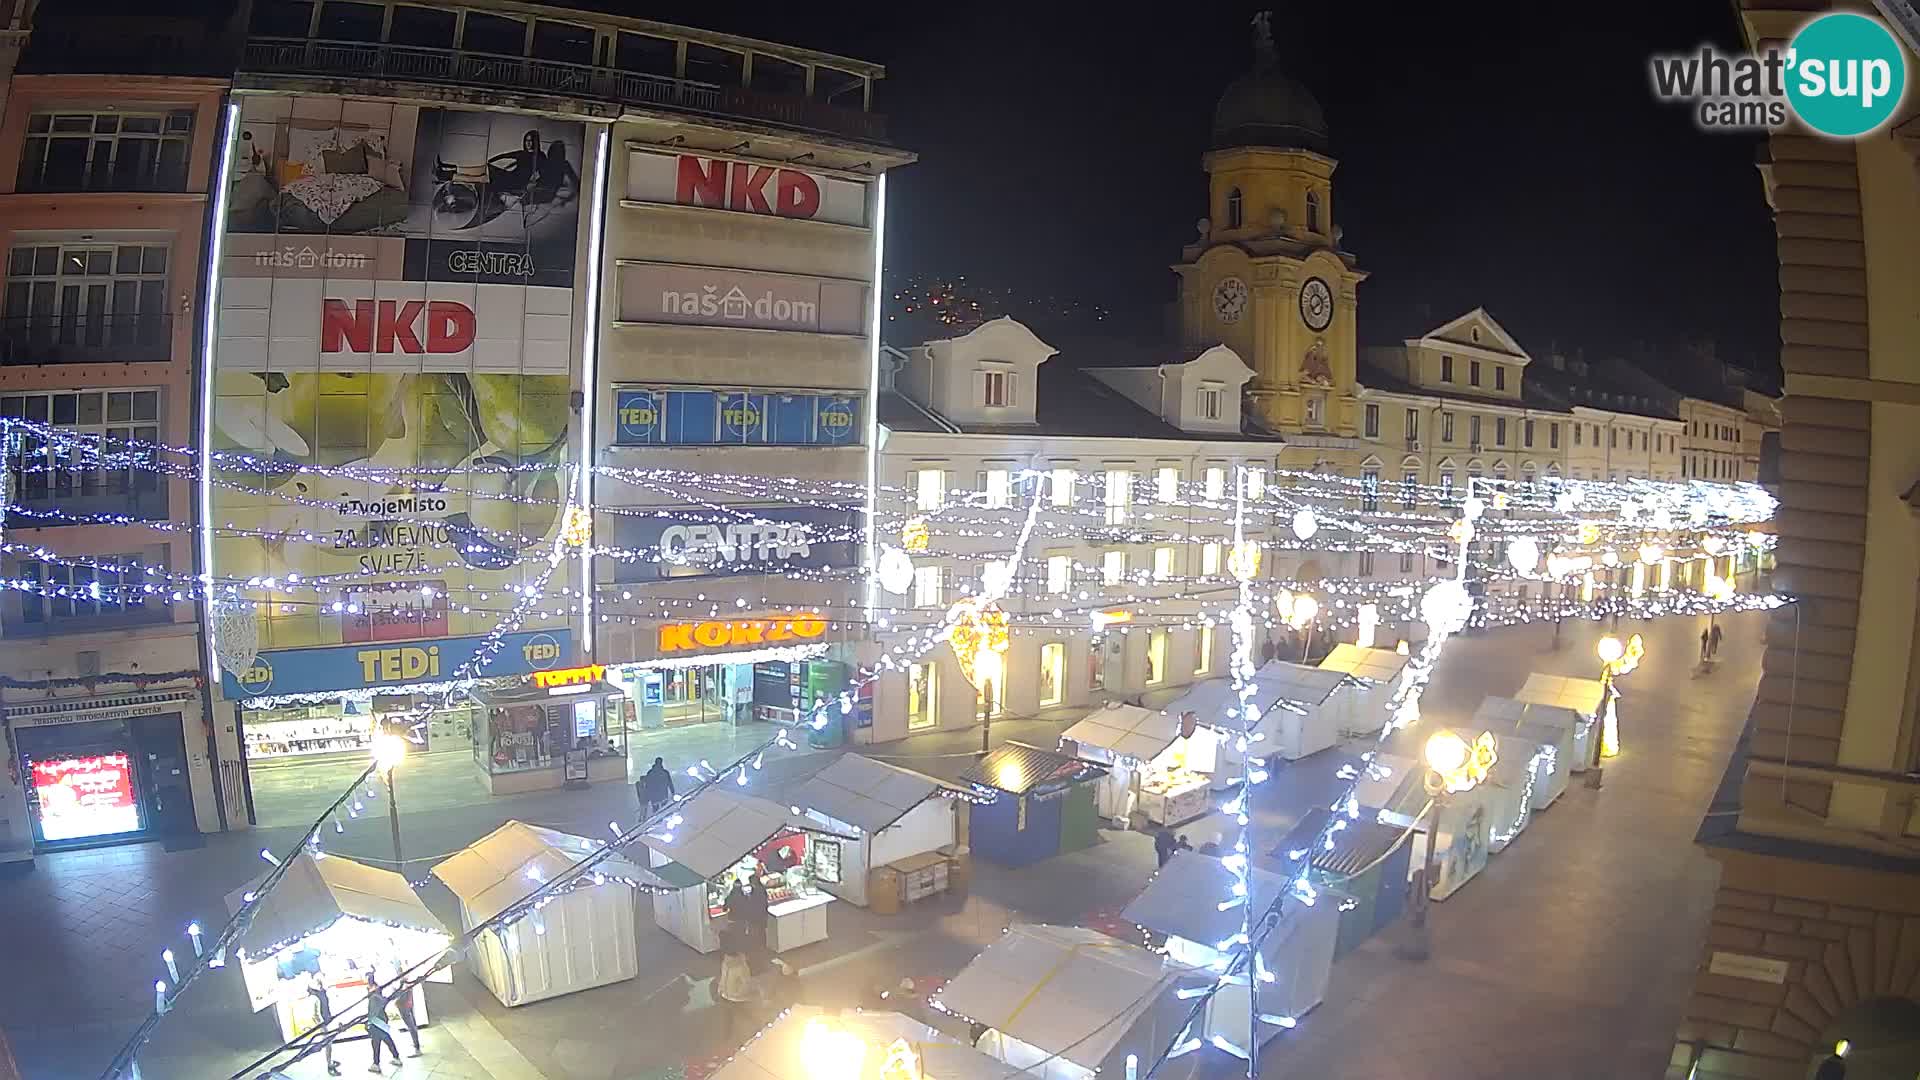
(106,781)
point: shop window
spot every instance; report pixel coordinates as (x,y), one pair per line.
(494,34)
(1053,673)
(59,475)
(772,75)
(645,54)
(422,27)
(106,151)
(923,703)
(350,21)
(1059,574)
(1156,657)
(1060,490)
(89,593)
(1203,649)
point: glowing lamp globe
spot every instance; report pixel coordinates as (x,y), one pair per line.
(1651,553)
(996,578)
(1473,507)
(895,570)
(1610,558)
(1304,609)
(1566,500)
(1447,753)
(1305,524)
(389,750)
(1662,518)
(1446,606)
(1523,554)
(1610,649)
(1713,545)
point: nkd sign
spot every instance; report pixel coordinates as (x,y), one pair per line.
(744,187)
(395,326)
(720,296)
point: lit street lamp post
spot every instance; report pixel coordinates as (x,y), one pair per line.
(389,750)
(1453,766)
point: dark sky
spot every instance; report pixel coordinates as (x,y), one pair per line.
(1504,154)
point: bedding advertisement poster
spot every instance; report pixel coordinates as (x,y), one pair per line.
(396,337)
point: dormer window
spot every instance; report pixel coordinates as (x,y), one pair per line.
(1236,209)
(1313,211)
(1316,410)
(1474,335)
(1207,407)
(996,389)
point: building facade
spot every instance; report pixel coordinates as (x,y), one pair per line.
(1714,446)
(1811,939)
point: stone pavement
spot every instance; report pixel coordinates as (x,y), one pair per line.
(1568,957)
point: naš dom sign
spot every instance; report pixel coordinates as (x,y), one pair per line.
(733,633)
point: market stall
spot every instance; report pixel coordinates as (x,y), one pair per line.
(1183,902)
(1301,708)
(1159,762)
(1042,805)
(908,831)
(1379,673)
(1549,727)
(1391,790)
(811,1043)
(549,731)
(1583,697)
(1366,863)
(1505,794)
(579,939)
(1065,1002)
(720,836)
(332,922)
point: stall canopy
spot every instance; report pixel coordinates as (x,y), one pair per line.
(505,866)
(1583,696)
(318,891)
(1374,665)
(1393,785)
(1184,898)
(1067,991)
(808,1042)
(1127,731)
(866,793)
(719,826)
(1019,769)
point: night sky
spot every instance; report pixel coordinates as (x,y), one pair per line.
(1501,154)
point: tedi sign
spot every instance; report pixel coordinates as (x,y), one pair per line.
(395,326)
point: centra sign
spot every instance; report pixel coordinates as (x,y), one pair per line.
(689,636)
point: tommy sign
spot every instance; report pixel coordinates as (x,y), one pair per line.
(744,187)
(720,296)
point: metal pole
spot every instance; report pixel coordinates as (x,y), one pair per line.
(393,819)
(1422,945)
(1597,730)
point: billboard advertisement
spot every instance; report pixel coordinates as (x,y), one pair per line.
(84,797)
(697,416)
(744,187)
(721,296)
(396,328)
(380,666)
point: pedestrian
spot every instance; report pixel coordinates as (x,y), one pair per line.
(317,990)
(389,970)
(1706,641)
(379,1031)
(655,788)
(1835,1067)
(1713,643)
(733,989)
(1163,845)
(747,910)
(1212,847)
(1182,843)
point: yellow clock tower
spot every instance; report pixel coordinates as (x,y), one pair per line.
(1266,275)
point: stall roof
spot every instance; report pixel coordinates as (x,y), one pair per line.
(1387,780)
(1513,753)
(1379,665)
(1065,990)
(1300,683)
(503,867)
(720,826)
(1017,769)
(776,1054)
(1357,845)
(317,891)
(1183,899)
(867,793)
(1127,730)
(1581,695)
(1501,715)
(1275,682)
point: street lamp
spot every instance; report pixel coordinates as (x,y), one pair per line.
(1616,658)
(389,750)
(1300,615)
(1454,766)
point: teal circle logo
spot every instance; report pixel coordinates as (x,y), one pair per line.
(1845,74)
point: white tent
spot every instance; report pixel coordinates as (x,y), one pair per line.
(1183,901)
(1549,726)
(808,1042)
(1504,793)
(1129,739)
(1299,710)
(1583,696)
(1062,1002)
(895,812)
(582,938)
(1378,671)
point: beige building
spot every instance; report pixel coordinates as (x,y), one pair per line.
(1714,446)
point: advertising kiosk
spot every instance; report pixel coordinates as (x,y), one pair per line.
(907,828)
(1160,763)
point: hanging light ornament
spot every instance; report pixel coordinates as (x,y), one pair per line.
(895,570)
(1305,524)
(576,530)
(1523,554)
(1713,544)
(1245,560)
(1446,606)
(979,639)
(1651,554)
(914,534)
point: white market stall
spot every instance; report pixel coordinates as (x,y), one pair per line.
(1549,727)
(1506,792)
(1183,902)
(1392,790)
(1065,1002)
(1584,697)
(716,837)
(907,824)
(1379,673)
(1160,762)
(334,920)
(811,1043)
(581,938)
(1301,708)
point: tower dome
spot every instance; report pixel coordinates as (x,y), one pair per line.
(1266,108)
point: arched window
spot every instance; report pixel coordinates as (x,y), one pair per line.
(1236,209)
(1313,211)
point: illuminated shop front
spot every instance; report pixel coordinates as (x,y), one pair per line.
(564,726)
(106,771)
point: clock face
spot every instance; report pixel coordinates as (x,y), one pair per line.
(1230,299)
(1316,304)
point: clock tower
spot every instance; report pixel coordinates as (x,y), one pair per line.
(1266,275)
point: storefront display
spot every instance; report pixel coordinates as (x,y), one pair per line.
(108,774)
(1042,805)
(529,737)
(347,727)
(86,797)
(906,829)
(1161,762)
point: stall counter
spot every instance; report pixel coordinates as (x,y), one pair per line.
(1174,799)
(796,922)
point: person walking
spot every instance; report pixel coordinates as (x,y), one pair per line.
(655,788)
(1163,845)
(1713,643)
(733,988)
(317,990)
(379,1029)
(1706,641)
(389,970)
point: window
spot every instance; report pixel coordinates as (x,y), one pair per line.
(1446,484)
(1373,421)
(923,681)
(1526,434)
(1499,376)
(1446,369)
(1370,489)
(1409,489)
(106,151)
(1208,407)
(1553,436)
(1474,335)
(1203,649)
(1059,573)
(1596,434)
(1060,492)
(1406,562)
(1156,657)
(1166,483)
(1236,209)
(1446,427)
(1613,438)
(1366,564)
(1113,567)
(1499,431)
(1210,558)
(1162,563)
(1216,482)
(107,590)
(501,36)
(1316,410)
(1473,373)
(72,476)
(1473,430)
(1119,495)
(1413,425)
(1576,433)
(927,586)
(996,389)
(990,697)
(1053,672)
(1256,481)
(94,302)
(996,485)
(930,489)
(1313,211)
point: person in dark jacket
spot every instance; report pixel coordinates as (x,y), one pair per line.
(379,1028)
(317,990)
(1163,845)
(1835,1067)
(655,788)
(1713,643)
(747,910)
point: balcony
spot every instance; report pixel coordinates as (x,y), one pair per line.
(86,339)
(139,177)
(385,62)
